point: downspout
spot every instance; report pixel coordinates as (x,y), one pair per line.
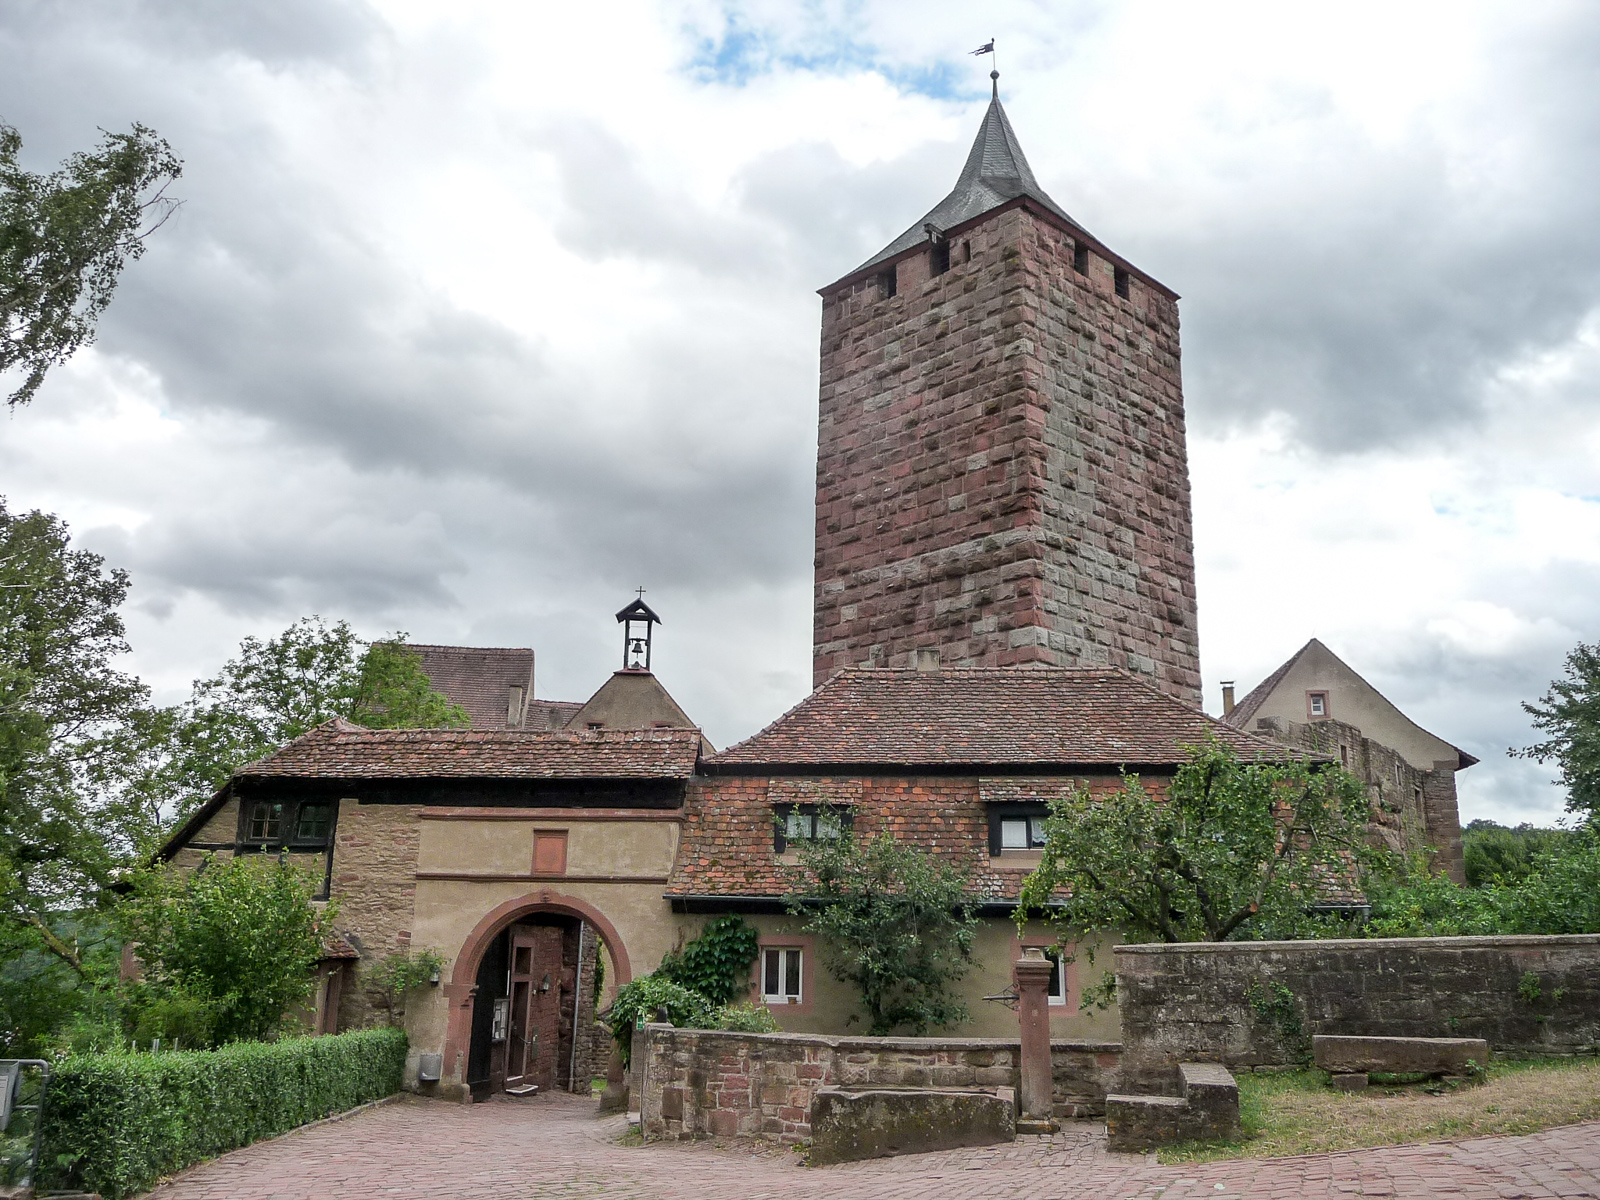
(577,1010)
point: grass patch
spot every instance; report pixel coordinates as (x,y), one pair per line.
(1297,1113)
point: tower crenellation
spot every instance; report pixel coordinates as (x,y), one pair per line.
(1002,472)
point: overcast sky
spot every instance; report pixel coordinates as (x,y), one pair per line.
(476,316)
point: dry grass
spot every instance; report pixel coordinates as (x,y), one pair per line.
(1297,1113)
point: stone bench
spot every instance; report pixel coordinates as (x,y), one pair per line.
(852,1123)
(1352,1059)
(1207,1110)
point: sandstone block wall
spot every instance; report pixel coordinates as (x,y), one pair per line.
(374,881)
(1002,469)
(705,1083)
(1193,1002)
(1412,809)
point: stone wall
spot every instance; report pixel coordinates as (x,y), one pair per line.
(375,883)
(1002,470)
(1412,809)
(1220,1002)
(703,1083)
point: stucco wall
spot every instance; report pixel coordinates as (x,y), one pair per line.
(701,1083)
(1192,1002)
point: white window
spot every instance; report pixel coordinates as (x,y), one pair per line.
(780,975)
(1021,833)
(1057,994)
(1319,704)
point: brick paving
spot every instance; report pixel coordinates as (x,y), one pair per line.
(555,1147)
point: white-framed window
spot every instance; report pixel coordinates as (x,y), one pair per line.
(781,974)
(1022,833)
(1057,993)
(1317,703)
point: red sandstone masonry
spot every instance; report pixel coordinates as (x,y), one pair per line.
(1002,470)
(704,1083)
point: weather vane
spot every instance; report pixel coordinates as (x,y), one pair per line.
(994,73)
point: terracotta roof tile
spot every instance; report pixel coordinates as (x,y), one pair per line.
(342,750)
(480,679)
(986,717)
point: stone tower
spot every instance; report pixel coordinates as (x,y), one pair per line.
(1002,476)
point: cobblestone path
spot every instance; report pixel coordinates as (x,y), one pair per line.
(554,1147)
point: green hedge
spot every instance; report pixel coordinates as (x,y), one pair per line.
(118,1122)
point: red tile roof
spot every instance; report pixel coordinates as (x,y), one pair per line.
(480,679)
(342,750)
(986,717)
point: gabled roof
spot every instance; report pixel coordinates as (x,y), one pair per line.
(988,718)
(996,172)
(339,749)
(478,678)
(1244,712)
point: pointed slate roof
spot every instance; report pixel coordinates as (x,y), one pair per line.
(997,171)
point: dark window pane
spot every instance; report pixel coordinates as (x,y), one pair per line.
(313,823)
(792,982)
(772,960)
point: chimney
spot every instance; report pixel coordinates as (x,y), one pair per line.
(1227,696)
(928,661)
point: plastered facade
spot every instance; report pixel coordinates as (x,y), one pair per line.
(1002,469)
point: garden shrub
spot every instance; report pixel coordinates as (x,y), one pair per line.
(745,1018)
(686,1008)
(119,1121)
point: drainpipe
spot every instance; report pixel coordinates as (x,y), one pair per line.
(577,1010)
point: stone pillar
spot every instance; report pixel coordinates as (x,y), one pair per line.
(1033,972)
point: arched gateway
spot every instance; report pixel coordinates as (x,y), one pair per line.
(523,992)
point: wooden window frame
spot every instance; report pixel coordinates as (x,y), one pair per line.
(782,812)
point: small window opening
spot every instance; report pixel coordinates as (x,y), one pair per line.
(1344,756)
(1080,258)
(1317,704)
(966,252)
(888,283)
(265,821)
(780,976)
(939,257)
(595,724)
(808,823)
(1120,277)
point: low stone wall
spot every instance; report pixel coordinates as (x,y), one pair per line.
(1220,1002)
(707,1083)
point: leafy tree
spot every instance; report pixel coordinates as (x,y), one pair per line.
(891,920)
(1494,853)
(1569,715)
(717,962)
(64,240)
(227,949)
(1232,849)
(60,633)
(1560,893)
(272,692)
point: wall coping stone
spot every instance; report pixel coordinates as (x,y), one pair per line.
(1317,945)
(834,1042)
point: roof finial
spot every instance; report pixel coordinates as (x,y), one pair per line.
(994,77)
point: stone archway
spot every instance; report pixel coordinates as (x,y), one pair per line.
(461,991)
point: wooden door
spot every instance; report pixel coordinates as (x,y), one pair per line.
(522,1036)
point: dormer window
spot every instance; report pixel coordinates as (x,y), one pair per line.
(313,824)
(1016,828)
(797,824)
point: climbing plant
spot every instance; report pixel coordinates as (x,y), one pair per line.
(717,963)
